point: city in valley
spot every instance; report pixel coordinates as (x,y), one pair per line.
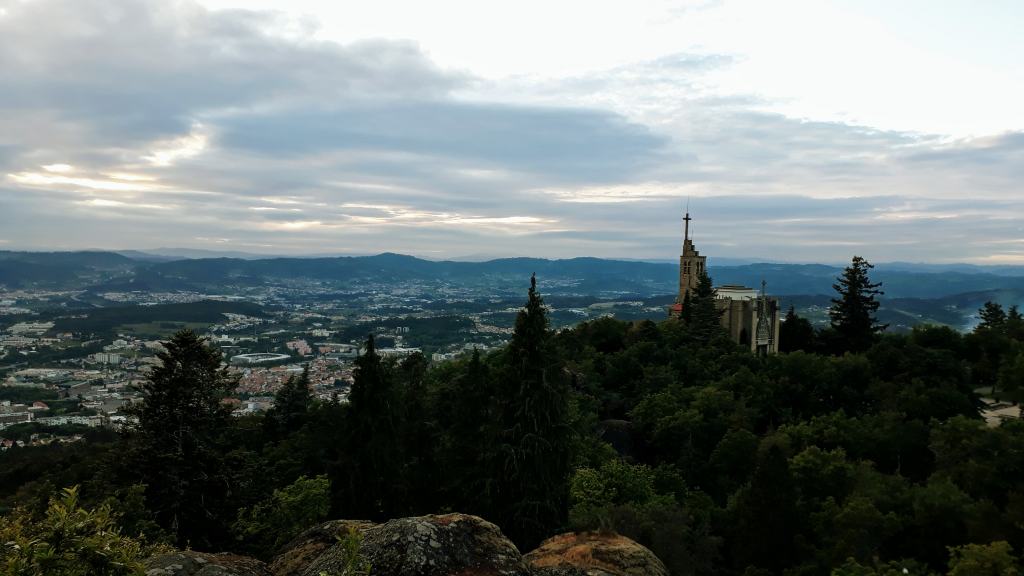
(73,352)
(532,288)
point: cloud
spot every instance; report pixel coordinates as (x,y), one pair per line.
(569,144)
(135,124)
(124,73)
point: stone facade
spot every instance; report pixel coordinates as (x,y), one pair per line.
(751,318)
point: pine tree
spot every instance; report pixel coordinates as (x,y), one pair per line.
(175,450)
(704,317)
(992,315)
(1014,323)
(291,406)
(417,489)
(471,413)
(532,487)
(853,311)
(795,333)
(372,461)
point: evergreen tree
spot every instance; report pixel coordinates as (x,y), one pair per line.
(853,311)
(992,315)
(465,446)
(795,333)
(417,490)
(766,516)
(1014,327)
(175,450)
(995,347)
(291,406)
(532,486)
(704,317)
(372,461)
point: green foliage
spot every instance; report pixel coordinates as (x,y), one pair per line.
(995,559)
(268,525)
(26,394)
(721,462)
(895,568)
(176,449)
(1010,378)
(701,315)
(592,491)
(533,458)
(624,498)
(106,320)
(352,559)
(291,406)
(134,519)
(992,316)
(372,470)
(765,516)
(795,333)
(68,541)
(853,311)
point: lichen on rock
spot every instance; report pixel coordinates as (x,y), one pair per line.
(189,563)
(594,554)
(435,545)
(309,545)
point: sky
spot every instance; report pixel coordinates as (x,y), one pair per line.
(803,131)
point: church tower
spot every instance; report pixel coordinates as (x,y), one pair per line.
(691,266)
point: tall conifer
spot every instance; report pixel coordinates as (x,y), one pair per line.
(853,311)
(704,318)
(175,450)
(533,483)
(372,461)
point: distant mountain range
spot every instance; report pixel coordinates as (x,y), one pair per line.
(130,271)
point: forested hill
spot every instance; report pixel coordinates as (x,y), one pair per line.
(110,271)
(853,452)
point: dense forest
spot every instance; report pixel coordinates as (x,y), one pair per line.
(853,452)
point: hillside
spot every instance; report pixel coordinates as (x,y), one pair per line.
(103,271)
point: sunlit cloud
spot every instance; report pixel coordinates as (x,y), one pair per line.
(916,215)
(279,200)
(380,207)
(37,179)
(617,194)
(168,152)
(293,225)
(130,177)
(273,209)
(107,203)
(1007,258)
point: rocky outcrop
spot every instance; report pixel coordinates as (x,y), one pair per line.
(594,554)
(308,546)
(435,545)
(189,563)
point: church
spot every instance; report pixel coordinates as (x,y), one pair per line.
(750,318)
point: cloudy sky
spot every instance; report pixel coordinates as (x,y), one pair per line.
(796,130)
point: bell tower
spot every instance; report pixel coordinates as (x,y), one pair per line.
(691,263)
(691,267)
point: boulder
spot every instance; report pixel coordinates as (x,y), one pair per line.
(308,546)
(435,545)
(189,563)
(593,554)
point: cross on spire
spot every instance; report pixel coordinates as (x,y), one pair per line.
(686,226)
